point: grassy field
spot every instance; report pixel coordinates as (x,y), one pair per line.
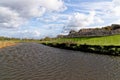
(108,45)
(6,43)
(105,40)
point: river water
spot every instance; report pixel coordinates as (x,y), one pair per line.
(31,61)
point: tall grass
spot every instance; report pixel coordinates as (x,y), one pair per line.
(6,43)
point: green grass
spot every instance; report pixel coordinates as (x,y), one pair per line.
(105,40)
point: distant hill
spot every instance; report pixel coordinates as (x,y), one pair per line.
(104,31)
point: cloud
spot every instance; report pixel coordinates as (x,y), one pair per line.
(94,14)
(53,5)
(105,8)
(14,12)
(116,7)
(56,18)
(28,34)
(48,17)
(9,18)
(80,20)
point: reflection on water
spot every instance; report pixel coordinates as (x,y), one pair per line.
(32,61)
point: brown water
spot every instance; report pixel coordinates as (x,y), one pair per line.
(31,61)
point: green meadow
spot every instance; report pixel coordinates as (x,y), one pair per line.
(108,45)
(104,40)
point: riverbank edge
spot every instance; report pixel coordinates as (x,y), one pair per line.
(7,44)
(98,49)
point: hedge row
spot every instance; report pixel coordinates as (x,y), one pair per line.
(100,49)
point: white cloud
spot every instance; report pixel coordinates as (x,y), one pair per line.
(105,8)
(26,9)
(29,33)
(20,33)
(116,2)
(116,7)
(94,13)
(9,18)
(54,18)
(49,18)
(14,13)
(53,5)
(80,20)
(26,34)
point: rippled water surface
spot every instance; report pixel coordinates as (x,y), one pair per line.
(31,61)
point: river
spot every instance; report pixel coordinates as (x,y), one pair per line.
(32,61)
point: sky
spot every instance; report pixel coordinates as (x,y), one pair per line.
(40,18)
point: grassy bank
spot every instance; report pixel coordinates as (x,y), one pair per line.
(105,40)
(109,45)
(6,43)
(99,49)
